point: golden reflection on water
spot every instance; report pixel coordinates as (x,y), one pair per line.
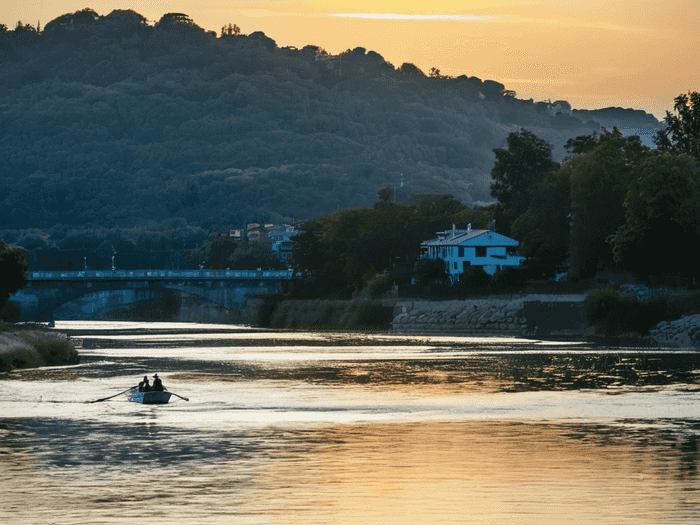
(484,473)
(296,427)
(429,473)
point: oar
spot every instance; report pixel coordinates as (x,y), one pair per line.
(115,395)
(173,393)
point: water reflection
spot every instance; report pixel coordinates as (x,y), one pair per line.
(351,428)
(374,473)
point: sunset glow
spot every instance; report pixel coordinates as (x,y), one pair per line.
(635,53)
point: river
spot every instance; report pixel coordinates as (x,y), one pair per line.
(346,428)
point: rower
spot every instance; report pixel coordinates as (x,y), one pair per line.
(144,386)
(157,384)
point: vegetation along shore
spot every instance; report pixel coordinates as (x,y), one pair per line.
(32,346)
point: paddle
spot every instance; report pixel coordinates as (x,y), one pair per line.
(115,395)
(173,393)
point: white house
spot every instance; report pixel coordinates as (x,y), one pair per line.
(281,239)
(462,249)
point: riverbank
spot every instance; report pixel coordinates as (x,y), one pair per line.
(541,316)
(30,346)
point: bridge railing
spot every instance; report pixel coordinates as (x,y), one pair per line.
(161,274)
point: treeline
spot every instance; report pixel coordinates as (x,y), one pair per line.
(111,124)
(342,253)
(613,204)
(178,247)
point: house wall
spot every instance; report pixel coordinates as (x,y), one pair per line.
(496,256)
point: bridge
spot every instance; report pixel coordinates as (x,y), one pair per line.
(230,289)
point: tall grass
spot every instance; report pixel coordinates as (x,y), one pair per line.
(25,347)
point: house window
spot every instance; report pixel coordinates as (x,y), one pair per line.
(454,265)
(466,265)
(480,251)
(461,252)
(511,251)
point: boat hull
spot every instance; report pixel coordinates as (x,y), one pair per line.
(149,398)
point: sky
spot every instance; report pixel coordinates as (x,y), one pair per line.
(593,53)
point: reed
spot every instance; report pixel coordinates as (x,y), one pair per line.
(33,348)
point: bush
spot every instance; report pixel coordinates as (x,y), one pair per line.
(378,286)
(509,280)
(611,313)
(10,312)
(372,316)
(473,281)
(20,358)
(431,271)
(56,352)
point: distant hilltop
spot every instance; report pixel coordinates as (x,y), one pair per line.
(115,122)
(618,117)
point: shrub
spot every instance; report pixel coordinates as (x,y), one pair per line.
(372,316)
(609,312)
(378,286)
(474,280)
(20,358)
(56,352)
(509,280)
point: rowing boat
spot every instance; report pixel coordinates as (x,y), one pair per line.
(149,398)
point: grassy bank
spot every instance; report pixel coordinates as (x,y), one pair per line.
(325,315)
(32,347)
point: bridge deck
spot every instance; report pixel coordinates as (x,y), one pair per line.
(116,275)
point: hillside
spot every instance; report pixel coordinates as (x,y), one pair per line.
(111,123)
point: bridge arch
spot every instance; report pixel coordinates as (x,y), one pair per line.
(47,291)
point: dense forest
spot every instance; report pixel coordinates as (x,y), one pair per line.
(120,136)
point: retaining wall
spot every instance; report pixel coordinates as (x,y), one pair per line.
(533,315)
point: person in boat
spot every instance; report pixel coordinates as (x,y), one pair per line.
(144,385)
(157,384)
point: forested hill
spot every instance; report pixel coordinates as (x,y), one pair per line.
(110,122)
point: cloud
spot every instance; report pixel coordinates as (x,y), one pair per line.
(397,16)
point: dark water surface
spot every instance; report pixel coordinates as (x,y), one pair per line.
(302,427)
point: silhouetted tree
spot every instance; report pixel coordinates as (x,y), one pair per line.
(599,181)
(682,132)
(409,69)
(516,173)
(662,217)
(230,30)
(13,269)
(384,194)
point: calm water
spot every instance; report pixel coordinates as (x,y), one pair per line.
(301,427)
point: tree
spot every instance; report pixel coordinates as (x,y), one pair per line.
(409,69)
(230,30)
(517,171)
(662,217)
(431,271)
(13,270)
(682,132)
(254,255)
(435,73)
(543,230)
(599,180)
(219,253)
(384,194)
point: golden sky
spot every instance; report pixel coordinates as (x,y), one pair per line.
(593,53)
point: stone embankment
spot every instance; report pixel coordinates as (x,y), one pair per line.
(523,315)
(681,333)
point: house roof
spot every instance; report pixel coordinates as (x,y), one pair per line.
(471,238)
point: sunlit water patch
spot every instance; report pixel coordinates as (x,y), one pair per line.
(296,427)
